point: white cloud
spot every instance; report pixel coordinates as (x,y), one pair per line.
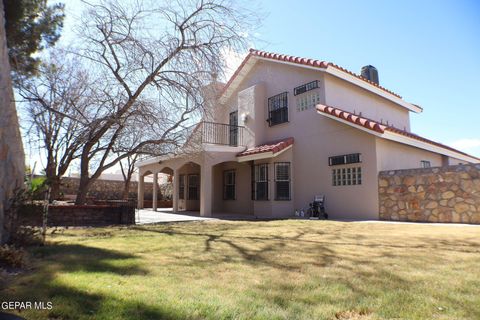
(469,145)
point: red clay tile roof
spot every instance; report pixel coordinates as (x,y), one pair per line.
(274,146)
(379,127)
(301,61)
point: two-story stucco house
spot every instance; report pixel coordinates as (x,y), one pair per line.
(284,129)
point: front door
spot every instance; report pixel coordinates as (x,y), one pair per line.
(233,128)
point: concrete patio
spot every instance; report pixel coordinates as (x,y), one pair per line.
(149,216)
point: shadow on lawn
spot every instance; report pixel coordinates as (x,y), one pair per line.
(364,266)
(40,284)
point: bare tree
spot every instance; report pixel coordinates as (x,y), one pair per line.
(54,105)
(127,167)
(151,59)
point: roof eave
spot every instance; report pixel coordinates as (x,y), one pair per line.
(250,60)
(428,146)
(406,140)
(262,155)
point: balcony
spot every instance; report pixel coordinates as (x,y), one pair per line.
(222,134)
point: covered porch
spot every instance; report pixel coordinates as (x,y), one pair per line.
(197,183)
(227,182)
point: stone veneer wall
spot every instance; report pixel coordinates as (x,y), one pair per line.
(441,194)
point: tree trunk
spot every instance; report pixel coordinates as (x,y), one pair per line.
(126,189)
(82,190)
(53,180)
(12,158)
(55,183)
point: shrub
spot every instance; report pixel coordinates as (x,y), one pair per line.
(12,257)
(27,236)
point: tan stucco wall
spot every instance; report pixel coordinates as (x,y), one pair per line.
(349,97)
(272,207)
(272,79)
(313,175)
(392,155)
(243,203)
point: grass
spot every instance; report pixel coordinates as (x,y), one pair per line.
(256,270)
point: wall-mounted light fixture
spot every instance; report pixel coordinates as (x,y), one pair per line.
(244,117)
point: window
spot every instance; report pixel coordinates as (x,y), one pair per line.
(344,159)
(260,182)
(425,164)
(347,176)
(282,181)
(229,185)
(193,183)
(278,109)
(305,87)
(181,187)
(308,101)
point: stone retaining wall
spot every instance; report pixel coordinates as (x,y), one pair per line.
(443,194)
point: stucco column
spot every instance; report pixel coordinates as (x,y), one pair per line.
(155,191)
(206,186)
(141,188)
(176,177)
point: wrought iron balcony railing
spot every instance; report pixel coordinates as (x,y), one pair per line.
(222,134)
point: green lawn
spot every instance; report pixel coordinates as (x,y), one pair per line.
(256,270)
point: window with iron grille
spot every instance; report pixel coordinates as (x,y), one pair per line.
(347,176)
(425,164)
(193,186)
(260,182)
(278,109)
(229,185)
(305,87)
(282,181)
(181,186)
(344,159)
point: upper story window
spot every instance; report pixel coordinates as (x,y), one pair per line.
(278,109)
(307,95)
(305,87)
(308,100)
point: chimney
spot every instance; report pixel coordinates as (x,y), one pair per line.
(371,73)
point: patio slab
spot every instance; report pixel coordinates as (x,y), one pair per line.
(165,215)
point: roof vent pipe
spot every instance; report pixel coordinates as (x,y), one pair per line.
(370,73)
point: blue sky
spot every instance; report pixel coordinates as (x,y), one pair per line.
(426,51)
